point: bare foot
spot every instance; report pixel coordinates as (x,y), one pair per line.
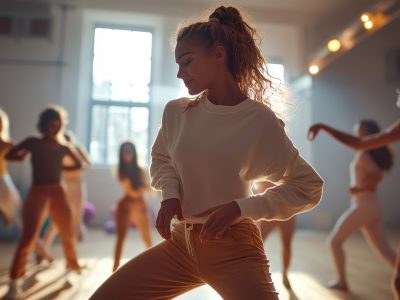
(337,285)
(40,258)
(77,268)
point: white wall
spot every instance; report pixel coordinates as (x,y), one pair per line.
(355,87)
(28,87)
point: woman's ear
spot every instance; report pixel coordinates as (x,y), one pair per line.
(220,54)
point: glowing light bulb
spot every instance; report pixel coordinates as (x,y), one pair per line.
(368,25)
(334,45)
(313,69)
(364,17)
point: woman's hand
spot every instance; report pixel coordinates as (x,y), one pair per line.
(314,130)
(221,219)
(169,208)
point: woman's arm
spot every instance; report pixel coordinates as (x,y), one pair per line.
(390,135)
(163,177)
(84,156)
(298,186)
(345,138)
(162,173)
(77,163)
(19,152)
(261,186)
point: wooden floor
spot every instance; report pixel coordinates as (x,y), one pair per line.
(311,269)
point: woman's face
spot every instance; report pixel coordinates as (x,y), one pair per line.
(52,127)
(197,66)
(127,155)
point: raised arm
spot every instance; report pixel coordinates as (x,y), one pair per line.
(388,136)
(345,138)
(19,152)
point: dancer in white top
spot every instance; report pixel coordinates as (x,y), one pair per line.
(207,154)
(365,211)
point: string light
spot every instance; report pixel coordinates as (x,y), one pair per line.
(371,21)
(364,17)
(334,45)
(313,69)
(368,25)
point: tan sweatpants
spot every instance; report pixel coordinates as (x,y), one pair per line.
(235,266)
(43,200)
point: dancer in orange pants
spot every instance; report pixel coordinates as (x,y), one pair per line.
(75,193)
(47,194)
(10,200)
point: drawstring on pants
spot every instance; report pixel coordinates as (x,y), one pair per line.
(188,230)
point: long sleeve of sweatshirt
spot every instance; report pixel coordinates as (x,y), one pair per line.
(299,187)
(162,172)
(209,155)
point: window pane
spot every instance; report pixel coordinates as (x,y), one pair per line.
(113,125)
(278,103)
(139,132)
(98,134)
(277,71)
(121,65)
(118,131)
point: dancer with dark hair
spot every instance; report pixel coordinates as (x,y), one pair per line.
(10,200)
(75,189)
(132,207)
(365,212)
(46,195)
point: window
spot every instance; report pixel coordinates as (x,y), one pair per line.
(278,102)
(277,71)
(120,94)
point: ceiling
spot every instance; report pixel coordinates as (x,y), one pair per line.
(300,6)
(292,12)
(299,12)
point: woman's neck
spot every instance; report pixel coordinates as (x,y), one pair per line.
(225,92)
